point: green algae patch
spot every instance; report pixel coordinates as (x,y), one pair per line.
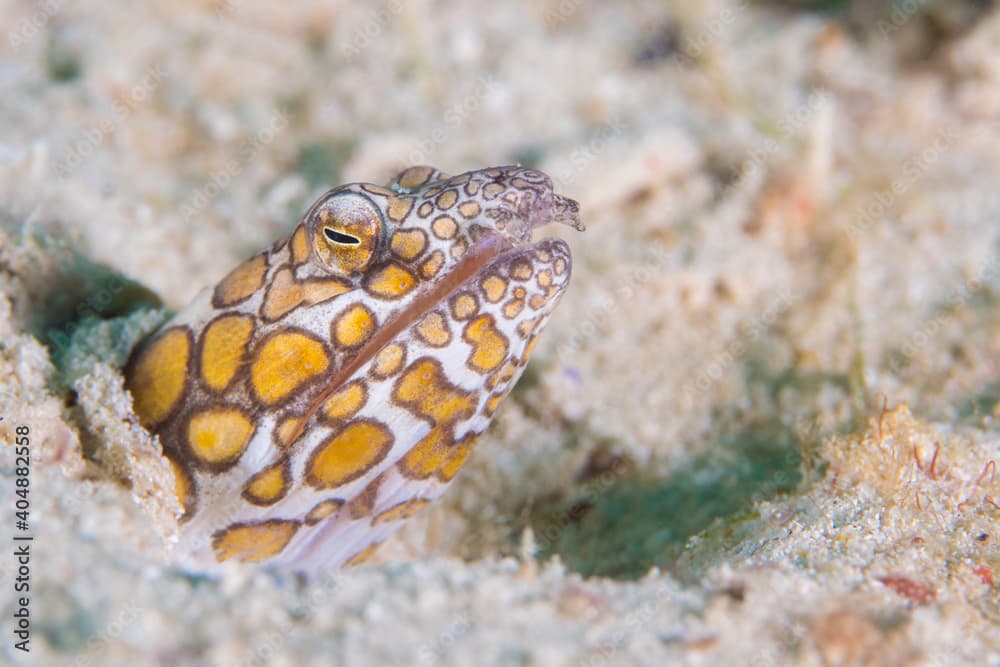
(67,625)
(84,288)
(92,340)
(708,505)
(985,402)
(632,525)
(85,313)
(321,163)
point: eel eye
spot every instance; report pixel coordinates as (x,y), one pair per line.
(340,238)
(346,228)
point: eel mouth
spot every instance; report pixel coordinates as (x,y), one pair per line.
(492,247)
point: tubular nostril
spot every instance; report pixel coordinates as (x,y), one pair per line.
(567,212)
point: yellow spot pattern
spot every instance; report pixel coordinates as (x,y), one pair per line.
(388,361)
(433,330)
(530,347)
(513,308)
(399,208)
(345,402)
(285,293)
(377,190)
(425,390)
(223,348)
(444,227)
(300,245)
(494,288)
(432,264)
(317,291)
(287,430)
(458,248)
(492,403)
(217,437)
(446,199)
(391,282)
(408,243)
(362,555)
(459,453)
(464,306)
(253,542)
(527,327)
(436,454)
(538,301)
(521,270)
(241,282)
(183,486)
(401,511)
(247,375)
(156,379)
(348,454)
(503,375)
(362,504)
(268,486)
(469,209)
(322,510)
(489,346)
(414,177)
(353,326)
(284,363)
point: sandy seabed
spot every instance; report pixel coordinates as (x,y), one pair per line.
(758,431)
